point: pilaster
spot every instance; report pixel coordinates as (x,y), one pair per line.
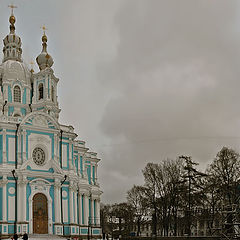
(4,200)
(57,200)
(24,133)
(4,147)
(71,187)
(86,208)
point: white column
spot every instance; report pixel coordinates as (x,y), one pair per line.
(76,209)
(98,211)
(4,209)
(19,148)
(57,200)
(71,202)
(80,207)
(56,145)
(96,181)
(19,199)
(24,144)
(24,199)
(35,91)
(70,155)
(92,210)
(86,209)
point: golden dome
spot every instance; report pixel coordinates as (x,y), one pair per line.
(12,19)
(44,38)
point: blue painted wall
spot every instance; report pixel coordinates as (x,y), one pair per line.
(89,174)
(10,110)
(93,173)
(9,94)
(24,96)
(81,164)
(27,199)
(9,185)
(23,111)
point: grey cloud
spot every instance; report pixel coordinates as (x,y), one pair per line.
(177,77)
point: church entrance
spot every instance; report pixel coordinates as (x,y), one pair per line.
(40,214)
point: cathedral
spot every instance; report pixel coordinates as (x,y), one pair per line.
(48,178)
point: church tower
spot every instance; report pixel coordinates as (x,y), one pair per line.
(45,84)
(15,77)
(48,177)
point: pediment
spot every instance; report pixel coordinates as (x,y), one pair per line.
(40,119)
(51,167)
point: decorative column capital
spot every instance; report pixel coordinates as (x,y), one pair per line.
(4,180)
(57,183)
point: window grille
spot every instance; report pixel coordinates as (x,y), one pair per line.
(40,91)
(17,94)
(52,93)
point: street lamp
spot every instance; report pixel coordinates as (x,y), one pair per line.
(62,182)
(15,222)
(89,217)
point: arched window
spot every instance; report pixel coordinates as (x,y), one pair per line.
(52,93)
(40,91)
(17,94)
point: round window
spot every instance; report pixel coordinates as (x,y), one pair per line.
(38,156)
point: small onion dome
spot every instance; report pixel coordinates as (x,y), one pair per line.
(44,59)
(12,43)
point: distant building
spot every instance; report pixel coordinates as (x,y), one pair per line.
(48,178)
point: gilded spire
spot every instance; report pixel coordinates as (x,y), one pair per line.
(12,18)
(44,39)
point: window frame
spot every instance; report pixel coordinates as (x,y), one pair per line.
(40,94)
(17,96)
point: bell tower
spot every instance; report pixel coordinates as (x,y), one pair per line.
(45,83)
(15,77)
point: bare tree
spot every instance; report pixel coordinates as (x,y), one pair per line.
(136,197)
(225,175)
(162,183)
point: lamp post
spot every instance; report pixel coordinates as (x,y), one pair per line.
(89,217)
(15,222)
(62,182)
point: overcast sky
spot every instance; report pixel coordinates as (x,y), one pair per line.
(140,80)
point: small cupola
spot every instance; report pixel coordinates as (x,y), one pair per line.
(44,60)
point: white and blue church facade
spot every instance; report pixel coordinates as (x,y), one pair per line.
(48,178)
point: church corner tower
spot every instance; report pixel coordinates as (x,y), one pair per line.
(48,177)
(45,84)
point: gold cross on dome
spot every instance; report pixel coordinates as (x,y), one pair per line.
(12,7)
(44,29)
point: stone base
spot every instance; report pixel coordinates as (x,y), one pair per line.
(58,229)
(8,228)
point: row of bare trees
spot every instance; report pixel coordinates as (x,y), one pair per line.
(173,190)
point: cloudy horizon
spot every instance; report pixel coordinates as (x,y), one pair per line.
(140,81)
